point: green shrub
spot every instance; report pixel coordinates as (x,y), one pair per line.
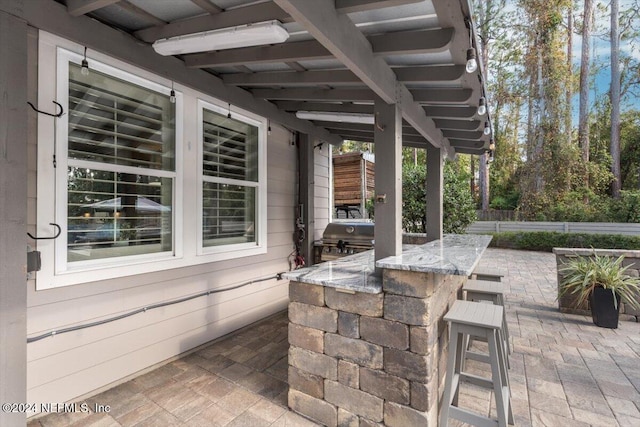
(545,241)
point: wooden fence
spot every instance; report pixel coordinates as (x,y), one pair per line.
(496,215)
(482,227)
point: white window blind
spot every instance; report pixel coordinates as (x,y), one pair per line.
(230,180)
(121,168)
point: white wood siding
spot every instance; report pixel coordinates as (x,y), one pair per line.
(322,201)
(74,364)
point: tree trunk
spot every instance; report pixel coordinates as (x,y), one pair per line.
(483,166)
(539,145)
(585,62)
(615,99)
(569,88)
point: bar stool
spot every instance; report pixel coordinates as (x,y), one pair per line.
(485,290)
(467,318)
(485,274)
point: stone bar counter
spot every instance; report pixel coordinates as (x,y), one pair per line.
(367,348)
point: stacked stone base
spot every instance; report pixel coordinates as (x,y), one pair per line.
(361,359)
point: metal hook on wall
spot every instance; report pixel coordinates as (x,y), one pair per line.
(48,114)
(48,238)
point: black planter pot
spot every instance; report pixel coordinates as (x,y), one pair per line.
(604,310)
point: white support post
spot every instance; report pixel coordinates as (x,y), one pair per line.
(435,186)
(388,195)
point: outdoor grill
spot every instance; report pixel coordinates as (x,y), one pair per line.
(345,238)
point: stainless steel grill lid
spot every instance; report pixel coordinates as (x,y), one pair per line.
(351,233)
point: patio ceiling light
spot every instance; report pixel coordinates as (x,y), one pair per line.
(261,33)
(336,117)
(482,107)
(84,66)
(472,63)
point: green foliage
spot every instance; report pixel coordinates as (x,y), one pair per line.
(582,274)
(458,206)
(545,241)
(627,208)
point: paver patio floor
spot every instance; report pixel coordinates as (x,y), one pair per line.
(564,372)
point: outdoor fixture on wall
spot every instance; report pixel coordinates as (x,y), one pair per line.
(261,33)
(84,67)
(336,117)
(172,95)
(472,63)
(482,106)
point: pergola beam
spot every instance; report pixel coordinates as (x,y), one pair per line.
(401,42)
(286,52)
(343,39)
(468,125)
(141,13)
(82,7)
(301,94)
(426,75)
(442,96)
(350,6)
(241,16)
(325,107)
(208,6)
(460,134)
(451,112)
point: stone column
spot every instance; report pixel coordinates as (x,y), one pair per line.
(361,359)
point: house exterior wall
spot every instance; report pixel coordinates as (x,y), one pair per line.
(322,190)
(67,366)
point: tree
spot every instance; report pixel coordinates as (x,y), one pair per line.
(615,100)
(458,207)
(585,63)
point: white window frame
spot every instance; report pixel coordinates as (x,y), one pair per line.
(240,249)
(51,204)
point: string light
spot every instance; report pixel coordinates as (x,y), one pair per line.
(84,67)
(492,145)
(172,95)
(472,63)
(487,128)
(482,107)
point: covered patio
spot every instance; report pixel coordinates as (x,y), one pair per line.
(565,371)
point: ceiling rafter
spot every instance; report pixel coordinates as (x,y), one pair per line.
(468,125)
(141,13)
(406,130)
(207,6)
(340,36)
(245,15)
(426,96)
(460,134)
(230,18)
(368,136)
(425,75)
(82,7)
(351,6)
(314,94)
(327,107)
(451,112)
(311,49)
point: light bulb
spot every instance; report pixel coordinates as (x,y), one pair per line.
(472,64)
(172,96)
(84,68)
(487,128)
(482,107)
(492,145)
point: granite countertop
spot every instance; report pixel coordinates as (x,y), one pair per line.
(455,254)
(353,272)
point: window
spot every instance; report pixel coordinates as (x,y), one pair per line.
(120,168)
(137,183)
(231,184)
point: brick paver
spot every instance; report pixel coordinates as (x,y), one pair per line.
(565,371)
